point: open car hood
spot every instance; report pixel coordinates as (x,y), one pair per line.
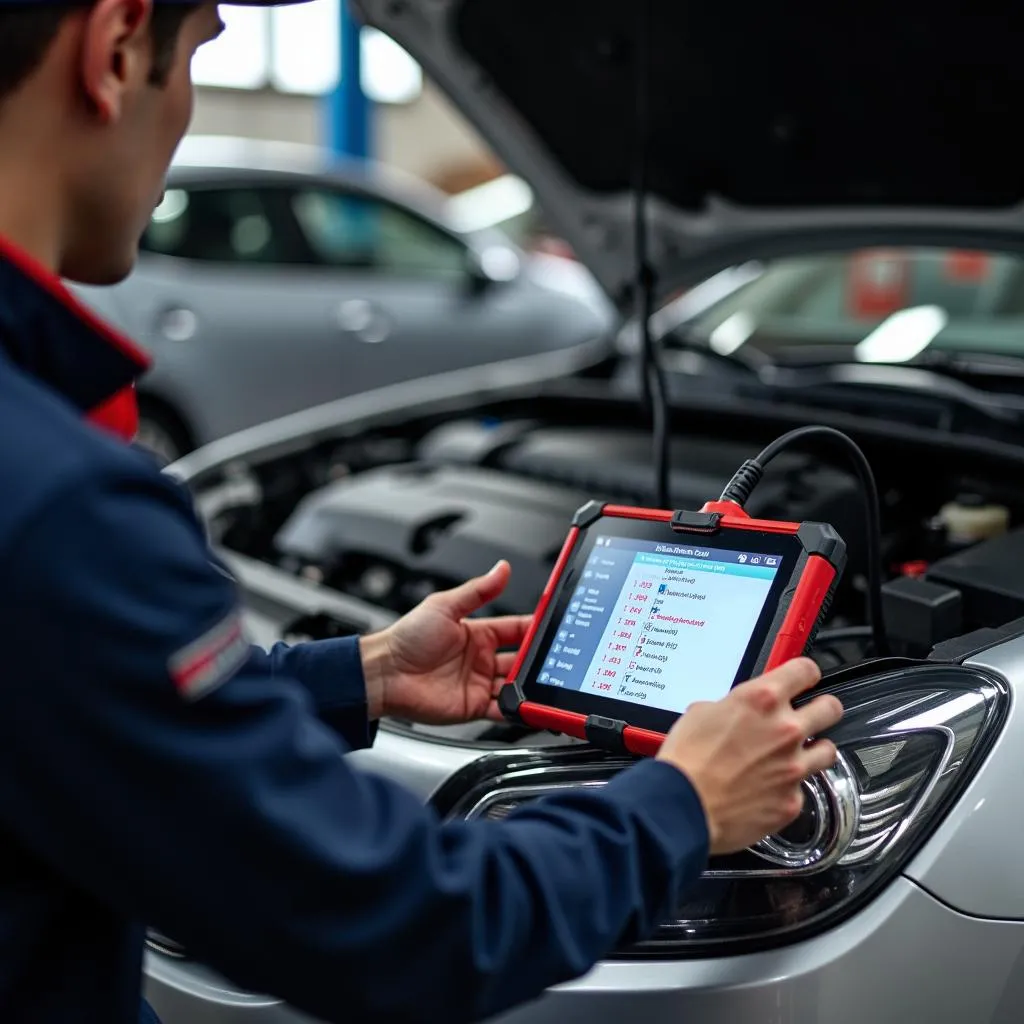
(773,130)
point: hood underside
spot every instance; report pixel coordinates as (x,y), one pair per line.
(773,130)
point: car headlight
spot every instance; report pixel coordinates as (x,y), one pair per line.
(909,741)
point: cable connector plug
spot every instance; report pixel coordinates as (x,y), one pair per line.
(744,480)
(748,475)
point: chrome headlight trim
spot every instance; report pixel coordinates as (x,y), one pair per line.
(836,804)
(913,737)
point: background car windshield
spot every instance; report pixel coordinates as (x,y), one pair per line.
(890,305)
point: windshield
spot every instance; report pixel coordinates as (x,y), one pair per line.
(887,306)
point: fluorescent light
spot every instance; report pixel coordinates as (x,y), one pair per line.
(389,74)
(238,58)
(732,333)
(306,50)
(902,336)
(297,49)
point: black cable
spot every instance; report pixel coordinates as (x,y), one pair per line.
(749,475)
(652,381)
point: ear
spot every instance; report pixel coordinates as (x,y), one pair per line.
(115,53)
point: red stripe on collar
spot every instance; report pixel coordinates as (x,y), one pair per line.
(119,415)
(45,278)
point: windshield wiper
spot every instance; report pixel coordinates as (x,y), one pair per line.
(683,341)
(818,383)
(940,381)
(990,366)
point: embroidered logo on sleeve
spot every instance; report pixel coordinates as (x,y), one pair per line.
(211,660)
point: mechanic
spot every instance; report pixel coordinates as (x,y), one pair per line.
(157,769)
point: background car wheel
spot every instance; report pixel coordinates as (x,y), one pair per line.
(161,432)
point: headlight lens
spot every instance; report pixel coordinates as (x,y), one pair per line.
(908,743)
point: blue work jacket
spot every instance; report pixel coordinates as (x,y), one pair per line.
(156,769)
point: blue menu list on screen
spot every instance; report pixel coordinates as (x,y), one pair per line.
(659,624)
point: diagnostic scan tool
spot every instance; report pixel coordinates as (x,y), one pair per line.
(647,611)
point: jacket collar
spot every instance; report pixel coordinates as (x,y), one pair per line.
(47,332)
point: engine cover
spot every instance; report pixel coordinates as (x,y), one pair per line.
(392,535)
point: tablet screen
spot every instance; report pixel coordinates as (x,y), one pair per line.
(659,624)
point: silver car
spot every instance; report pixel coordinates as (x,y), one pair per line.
(273,278)
(897,895)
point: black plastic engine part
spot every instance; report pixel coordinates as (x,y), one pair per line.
(920,614)
(615,465)
(989,578)
(393,534)
(472,442)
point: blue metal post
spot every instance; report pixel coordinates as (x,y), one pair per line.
(348,109)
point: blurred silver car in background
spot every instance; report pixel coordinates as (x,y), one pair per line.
(272,279)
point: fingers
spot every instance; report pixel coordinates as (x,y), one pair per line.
(819,715)
(507,631)
(472,595)
(493,713)
(821,754)
(503,663)
(795,677)
(777,689)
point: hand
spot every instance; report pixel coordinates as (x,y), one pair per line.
(438,667)
(748,754)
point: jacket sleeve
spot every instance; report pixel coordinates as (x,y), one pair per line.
(149,760)
(331,673)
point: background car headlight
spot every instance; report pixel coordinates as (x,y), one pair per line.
(909,741)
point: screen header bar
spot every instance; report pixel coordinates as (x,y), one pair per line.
(695,551)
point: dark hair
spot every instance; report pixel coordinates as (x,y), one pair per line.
(28,29)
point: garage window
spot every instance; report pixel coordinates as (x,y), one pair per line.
(295,49)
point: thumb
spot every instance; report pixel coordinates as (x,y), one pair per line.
(475,593)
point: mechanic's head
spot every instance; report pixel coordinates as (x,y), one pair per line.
(94,99)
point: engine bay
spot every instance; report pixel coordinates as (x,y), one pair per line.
(395,533)
(384,517)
